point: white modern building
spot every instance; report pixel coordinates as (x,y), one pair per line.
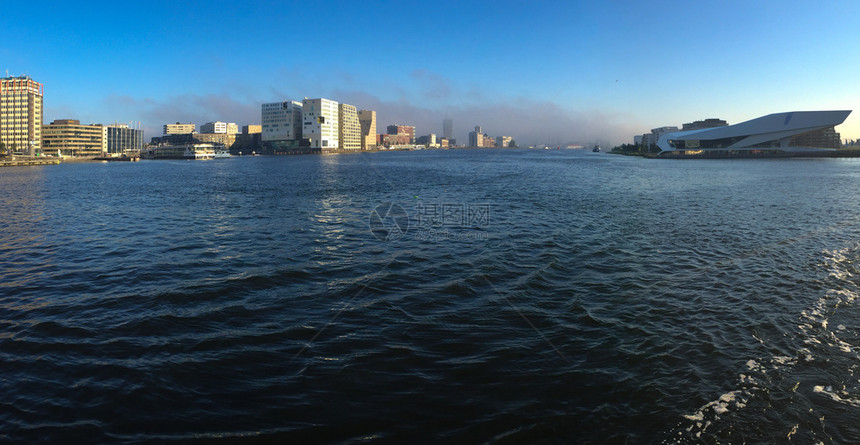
(320,123)
(219,127)
(282,121)
(779,134)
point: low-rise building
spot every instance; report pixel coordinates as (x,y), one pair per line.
(121,139)
(219,127)
(178,128)
(67,137)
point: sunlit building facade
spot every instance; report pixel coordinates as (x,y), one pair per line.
(67,137)
(367,120)
(21,114)
(320,124)
(349,128)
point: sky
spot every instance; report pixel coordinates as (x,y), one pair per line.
(543,72)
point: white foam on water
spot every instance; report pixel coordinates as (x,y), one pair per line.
(813,326)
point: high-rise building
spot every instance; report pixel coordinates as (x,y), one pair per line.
(367,120)
(178,128)
(21,114)
(349,128)
(119,138)
(282,121)
(69,138)
(320,124)
(448,129)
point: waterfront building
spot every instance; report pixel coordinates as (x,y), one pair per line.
(779,134)
(503,141)
(21,114)
(216,138)
(120,139)
(219,127)
(67,137)
(476,138)
(178,128)
(349,128)
(282,121)
(448,129)
(367,120)
(403,129)
(707,123)
(249,141)
(320,124)
(391,140)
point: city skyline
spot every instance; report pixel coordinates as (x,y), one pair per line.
(544,73)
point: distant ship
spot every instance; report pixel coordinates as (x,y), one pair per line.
(596,149)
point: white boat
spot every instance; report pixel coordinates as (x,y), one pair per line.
(186,151)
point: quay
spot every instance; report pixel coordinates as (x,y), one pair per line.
(29,161)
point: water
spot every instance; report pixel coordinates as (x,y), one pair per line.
(537,296)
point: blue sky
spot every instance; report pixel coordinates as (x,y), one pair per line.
(542,72)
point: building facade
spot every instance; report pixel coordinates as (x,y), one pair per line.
(21,114)
(320,124)
(349,128)
(219,127)
(448,129)
(476,138)
(120,139)
(282,121)
(367,120)
(403,129)
(67,137)
(178,128)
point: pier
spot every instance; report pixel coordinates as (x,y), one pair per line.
(28,161)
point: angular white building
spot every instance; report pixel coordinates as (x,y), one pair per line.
(780,134)
(320,123)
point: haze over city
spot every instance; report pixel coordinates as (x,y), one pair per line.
(542,72)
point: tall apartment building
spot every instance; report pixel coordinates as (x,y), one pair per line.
(448,129)
(119,139)
(320,123)
(349,128)
(367,120)
(69,138)
(178,128)
(21,114)
(282,121)
(219,127)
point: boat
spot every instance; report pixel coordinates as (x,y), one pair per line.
(184,151)
(596,149)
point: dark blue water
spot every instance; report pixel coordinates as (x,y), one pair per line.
(535,296)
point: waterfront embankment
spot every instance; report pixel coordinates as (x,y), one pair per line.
(13,162)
